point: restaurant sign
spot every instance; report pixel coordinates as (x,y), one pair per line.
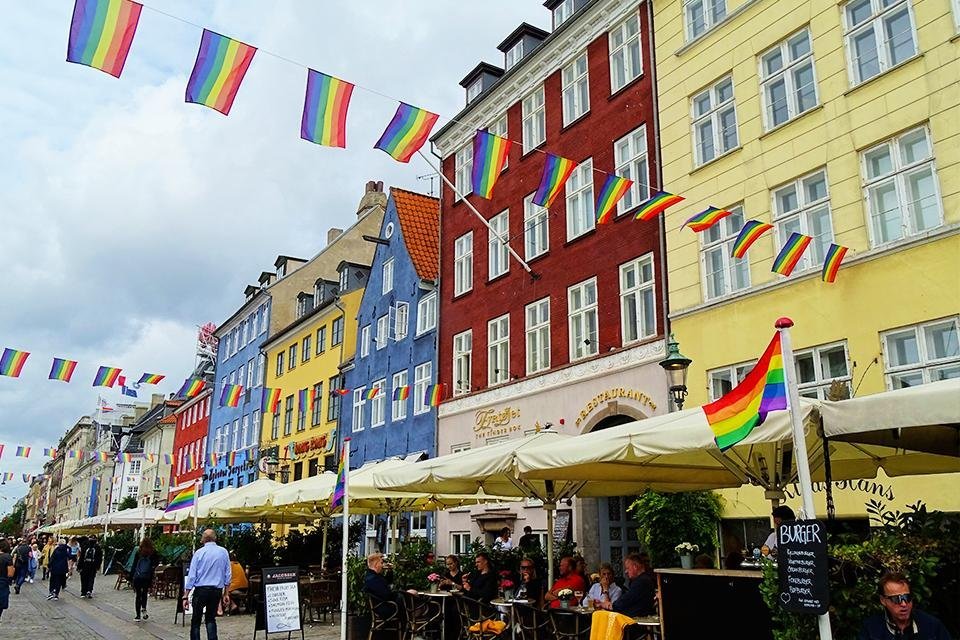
(615,394)
(489,423)
(802,565)
(306,446)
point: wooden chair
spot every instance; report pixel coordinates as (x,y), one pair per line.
(384,617)
(569,625)
(477,619)
(123,578)
(533,622)
(422,614)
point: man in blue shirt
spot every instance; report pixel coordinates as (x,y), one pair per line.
(209,575)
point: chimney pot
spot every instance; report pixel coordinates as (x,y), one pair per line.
(333,234)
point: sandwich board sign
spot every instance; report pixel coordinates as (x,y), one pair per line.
(281,600)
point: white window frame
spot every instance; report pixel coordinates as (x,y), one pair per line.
(630,154)
(513,55)
(463,264)
(387,276)
(359,399)
(820,385)
(401,321)
(244,430)
(626,53)
(498,252)
(562,12)
(955,4)
(803,214)
(791,66)
(581,343)
(499,128)
(717,108)
(581,210)
(575,88)
(724,245)
(378,406)
(463,173)
(498,350)
(900,171)
(733,374)
(251,382)
(462,362)
(537,318)
(710,12)
(637,297)
(536,229)
(383,331)
(398,408)
(460,542)
(926,366)
(422,378)
(427,313)
(474,90)
(533,108)
(876,24)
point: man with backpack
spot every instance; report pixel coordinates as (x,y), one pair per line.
(91,556)
(21,560)
(59,565)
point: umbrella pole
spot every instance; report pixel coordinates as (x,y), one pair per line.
(143,523)
(323,546)
(550,507)
(394,522)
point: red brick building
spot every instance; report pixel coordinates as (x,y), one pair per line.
(576,342)
(190,441)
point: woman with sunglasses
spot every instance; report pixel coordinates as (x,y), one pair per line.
(531,586)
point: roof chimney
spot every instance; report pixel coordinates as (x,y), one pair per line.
(373,197)
(332,234)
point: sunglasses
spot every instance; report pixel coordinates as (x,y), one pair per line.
(526,566)
(900,598)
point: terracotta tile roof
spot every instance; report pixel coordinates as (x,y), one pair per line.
(420,222)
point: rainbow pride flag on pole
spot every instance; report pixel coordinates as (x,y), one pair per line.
(706,219)
(733,416)
(305,398)
(219,70)
(402,392)
(791,253)
(230,396)
(184,499)
(748,235)
(50,452)
(556,172)
(270,400)
(339,491)
(191,387)
(489,157)
(656,204)
(407,132)
(831,264)
(325,110)
(12,361)
(62,369)
(106,377)
(101,33)
(614,188)
(434,395)
(22,452)
(150,378)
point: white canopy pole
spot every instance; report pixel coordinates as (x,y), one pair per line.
(346,538)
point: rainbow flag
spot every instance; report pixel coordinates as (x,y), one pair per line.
(556,171)
(325,110)
(791,253)
(150,378)
(373,392)
(706,219)
(219,70)
(733,416)
(12,361)
(748,235)
(407,132)
(22,452)
(305,397)
(231,458)
(184,499)
(127,457)
(402,392)
(489,157)
(27,477)
(7,476)
(106,376)
(212,459)
(340,490)
(101,33)
(831,265)
(103,456)
(230,396)
(50,452)
(434,395)
(167,459)
(270,400)
(191,388)
(656,204)
(614,188)
(62,369)
(341,391)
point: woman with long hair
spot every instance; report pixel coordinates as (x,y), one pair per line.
(141,576)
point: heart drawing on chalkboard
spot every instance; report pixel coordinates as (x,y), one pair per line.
(784,597)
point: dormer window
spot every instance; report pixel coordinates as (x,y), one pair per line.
(317,294)
(514,54)
(281,270)
(561,12)
(344,278)
(301,307)
(474,90)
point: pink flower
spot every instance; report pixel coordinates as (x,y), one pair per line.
(434,577)
(506,584)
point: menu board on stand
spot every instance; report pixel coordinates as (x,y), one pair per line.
(802,566)
(279,610)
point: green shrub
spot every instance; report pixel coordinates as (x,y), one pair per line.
(666,519)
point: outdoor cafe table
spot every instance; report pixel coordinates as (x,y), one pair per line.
(506,607)
(444,598)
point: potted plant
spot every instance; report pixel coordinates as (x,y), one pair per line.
(686,550)
(564,596)
(508,586)
(434,580)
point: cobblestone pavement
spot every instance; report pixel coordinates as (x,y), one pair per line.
(109,616)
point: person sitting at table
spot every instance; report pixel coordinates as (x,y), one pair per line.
(638,599)
(606,589)
(374,584)
(481,584)
(899,618)
(453,576)
(568,579)
(531,586)
(238,584)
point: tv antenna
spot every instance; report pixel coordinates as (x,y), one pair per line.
(431,177)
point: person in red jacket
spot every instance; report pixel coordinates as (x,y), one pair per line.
(569,579)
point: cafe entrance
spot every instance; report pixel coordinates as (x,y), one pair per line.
(617,528)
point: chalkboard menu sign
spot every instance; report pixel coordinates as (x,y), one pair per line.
(281,599)
(802,565)
(561,526)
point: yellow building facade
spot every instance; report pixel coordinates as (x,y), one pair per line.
(837,120)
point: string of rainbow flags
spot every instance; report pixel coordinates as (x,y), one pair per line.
(102,32)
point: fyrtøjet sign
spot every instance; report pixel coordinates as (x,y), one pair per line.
(802,565)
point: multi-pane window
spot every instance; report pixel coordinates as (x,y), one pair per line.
(538,335)
(279,363)
(819,367)
(474,90)
(724,379)
(499,128)
(275,427)
(235,443)
(383,330)
(427,313)
(788,82)
(401,321)
(398,408)
(302,415)
(879,34)
(336,331)
(630,153)
(513,54)
(378,404)
(387,276)
(626,62)
(714,121)
(901,187)
(722,273)
(462,362)
(580,211)
(498,350)
(582,312)
(321,340)
(575,89)
(702,15)
(333,405)
(288,416)
(344,279)
(463,264)
(317,404)
(292,357)
(263,319)
(305,350)
(498,254)
(460,542)
(422,376)
(924,353)
(245,432)
(359,399)
(252,380)
(804,206)
(562,11)
(365,341)
(534,120)
(638,309)
(535,228)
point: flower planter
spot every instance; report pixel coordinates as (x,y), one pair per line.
(434,587)
(686,561)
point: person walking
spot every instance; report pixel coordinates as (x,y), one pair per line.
(90,559)
(59,566)
(34,562)
(144,565)
(209,575)
(48,548)
(21,560)
(6,575)
(74,556)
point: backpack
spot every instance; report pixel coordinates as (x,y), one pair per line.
(90,556)
(143,568)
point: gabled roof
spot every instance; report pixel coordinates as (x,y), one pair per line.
(419,217)
(477,71)
(525,29)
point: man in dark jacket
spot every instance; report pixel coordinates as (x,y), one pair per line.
(387,602)
(59,565)
(638,598)
(899,619)
(21,559)
(91,556)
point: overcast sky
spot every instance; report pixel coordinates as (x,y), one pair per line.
(128,217)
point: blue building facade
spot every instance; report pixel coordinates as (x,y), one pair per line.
(396,338)
(239,361)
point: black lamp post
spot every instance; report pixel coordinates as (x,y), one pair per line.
(676,365)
